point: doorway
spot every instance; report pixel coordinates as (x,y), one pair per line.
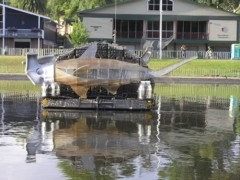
(22,44)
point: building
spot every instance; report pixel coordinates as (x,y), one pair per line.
(181,22)
(23,29)
(65,26)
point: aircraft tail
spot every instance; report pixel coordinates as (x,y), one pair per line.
(31,68)
(39,71)
(146,56)
(91,51)
(167,70)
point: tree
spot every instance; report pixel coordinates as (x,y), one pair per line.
(36,6)
(56,8)
(69,9)
(227,5)
(79,34)
(7,2)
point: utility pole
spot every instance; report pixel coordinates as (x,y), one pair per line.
(160,29)
(4,28)
(115,24)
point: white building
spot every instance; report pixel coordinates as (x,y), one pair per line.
(183,22)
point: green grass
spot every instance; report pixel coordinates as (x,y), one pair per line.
(229,68)
(168,90)
(18,87)
(201,68)
(156,64)
(12,64)
(196,68)
(197,90)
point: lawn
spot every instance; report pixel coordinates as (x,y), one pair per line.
(25,87)
(197,68)
(200,68)
(12,64)
(197,90)
(156,64)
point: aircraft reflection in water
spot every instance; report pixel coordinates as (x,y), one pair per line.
(183,132)
(66,130)
(148,140)
(99,137)
(39,140)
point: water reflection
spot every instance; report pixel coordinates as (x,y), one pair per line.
(185,138)
(182,133)
(116,144)
(3,113)
(33,143)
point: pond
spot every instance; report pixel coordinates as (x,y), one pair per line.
(193,134)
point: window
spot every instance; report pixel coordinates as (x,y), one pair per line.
(129,29)
(153,5)
(167,5)
(167,29)
(153,29)
(191,30)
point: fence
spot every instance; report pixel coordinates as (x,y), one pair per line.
(200,54)
(17,96)
(201,72)
(40,52)
(166,54)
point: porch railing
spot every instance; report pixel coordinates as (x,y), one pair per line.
(40,52)
(23,33)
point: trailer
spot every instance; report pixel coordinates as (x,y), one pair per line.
(99,104)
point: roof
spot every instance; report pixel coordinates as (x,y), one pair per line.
(107,5)
(27,12)
(128,1)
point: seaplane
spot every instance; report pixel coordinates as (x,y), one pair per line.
(88,70)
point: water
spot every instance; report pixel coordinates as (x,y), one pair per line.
(187,137)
